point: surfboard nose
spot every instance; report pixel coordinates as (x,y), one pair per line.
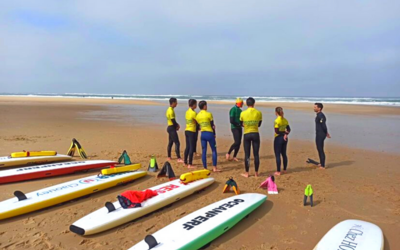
(77,230)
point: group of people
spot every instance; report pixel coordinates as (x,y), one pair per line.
(248,120)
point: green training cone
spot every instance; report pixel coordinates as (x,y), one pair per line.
(153,166)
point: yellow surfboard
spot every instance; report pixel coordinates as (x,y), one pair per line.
(8,161)
(116,170)
(50,196)
(33,153)
(195,175)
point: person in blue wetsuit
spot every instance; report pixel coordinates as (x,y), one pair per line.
(206,122)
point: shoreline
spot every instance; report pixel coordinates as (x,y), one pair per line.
(352,109)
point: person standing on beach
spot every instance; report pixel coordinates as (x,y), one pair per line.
(190,133)
(236,128)
(207,127)
(172,129)
(321,133)
(282,130)
(251,120)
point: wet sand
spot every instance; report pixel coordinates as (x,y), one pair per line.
(357,184)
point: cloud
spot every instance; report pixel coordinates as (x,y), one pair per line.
(213,47)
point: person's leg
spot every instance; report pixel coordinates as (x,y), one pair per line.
(228,155)
(277,150)
(213,146)
(170,142)
(204,147)
(191,136)
(235,133)
(195,142)
(322,160)
(320,147)
(239,141)
(175,139)
(187,147)
(246,145)
(284,154)
(256,151)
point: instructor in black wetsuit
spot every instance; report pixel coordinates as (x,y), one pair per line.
(321,133)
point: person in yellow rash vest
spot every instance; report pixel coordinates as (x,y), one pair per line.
(251,120)
(206,121)
(172,129)
(282,130)
(190,133)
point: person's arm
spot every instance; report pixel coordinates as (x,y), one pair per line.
(288,129)
(175,124)
(213,127)
(279,132)
(233,122)
(232,115)
(323,125)
(259,123)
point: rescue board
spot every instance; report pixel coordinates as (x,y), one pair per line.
(25,203)
(51,169)
(204,225)
(104,219)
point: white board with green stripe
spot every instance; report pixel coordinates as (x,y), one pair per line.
(204,225)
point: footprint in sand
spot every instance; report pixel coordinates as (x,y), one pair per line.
(28,221)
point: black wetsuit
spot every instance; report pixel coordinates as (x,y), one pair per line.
(248,140)
(236,128)
(321,133)
(173,138)
(280,148)
(196,139)
(190,146)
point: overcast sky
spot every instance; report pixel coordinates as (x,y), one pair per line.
(278,48)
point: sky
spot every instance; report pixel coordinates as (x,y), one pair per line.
(264,48)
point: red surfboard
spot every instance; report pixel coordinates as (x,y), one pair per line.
(52,169)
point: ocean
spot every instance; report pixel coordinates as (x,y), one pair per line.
(378,101)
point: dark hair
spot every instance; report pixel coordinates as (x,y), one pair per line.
(319,105)
(172,100)
(192,102)
(202,104)
(250,101)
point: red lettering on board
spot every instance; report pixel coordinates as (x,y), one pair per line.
(166,188)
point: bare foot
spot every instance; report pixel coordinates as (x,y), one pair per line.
(227,157)
(180,161)
(256,175)
(190,166)
(277,173)
(198,155)
(245,175)
(169,159)
(321,167)
(215,169)
(235,159)
(284,171)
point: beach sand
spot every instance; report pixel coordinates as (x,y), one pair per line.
(357,184)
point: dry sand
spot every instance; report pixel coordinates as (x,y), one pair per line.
(357,184)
